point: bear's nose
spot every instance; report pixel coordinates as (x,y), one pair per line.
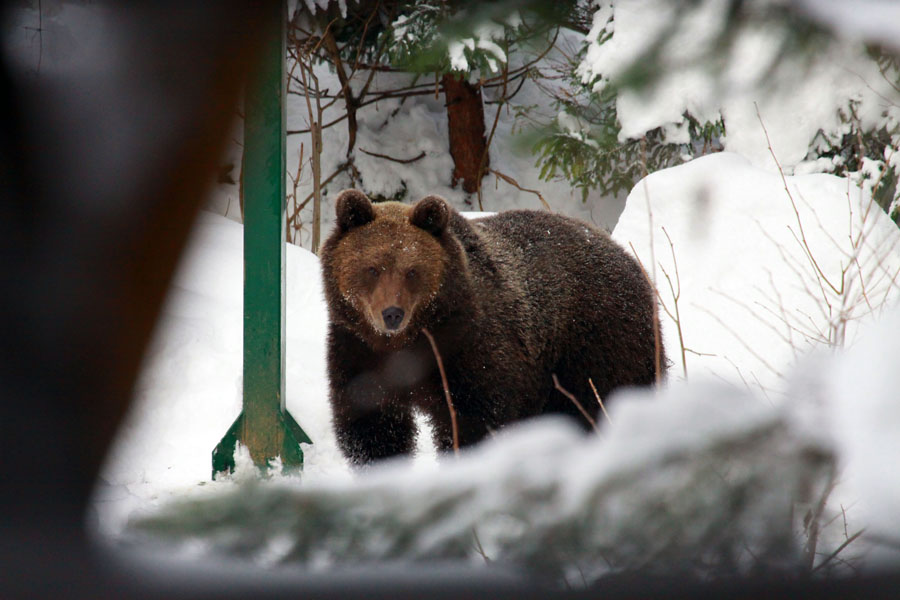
(392,316)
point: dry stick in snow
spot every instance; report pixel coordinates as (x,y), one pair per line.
(478,547)
(293,215)
(802,239)
(307,75)
(403,161)
(501,102)
(599,401)
(656,334)
(487,147)
(657,337)
(676,295)
(838,312)
(440,363)
(575,401)
(746,346)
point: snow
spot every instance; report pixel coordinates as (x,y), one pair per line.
(486,35)
(864,398)
(786,377)
(542,496)
(872,20)
(750,300)
(797,96)
(456,50)
(189,392)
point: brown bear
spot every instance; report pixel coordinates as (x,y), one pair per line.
(510,299)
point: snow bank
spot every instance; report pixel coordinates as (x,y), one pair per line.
(189,391)
(671,476)
(190,387)
(754,296)
(866,415)
(670,479)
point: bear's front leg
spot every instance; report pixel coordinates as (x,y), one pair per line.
(365,436)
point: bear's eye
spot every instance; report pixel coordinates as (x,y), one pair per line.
(372,272)
(411,274)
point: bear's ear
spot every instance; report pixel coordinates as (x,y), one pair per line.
(353,209)
(431,214)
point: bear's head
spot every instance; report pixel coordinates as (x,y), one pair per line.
(386,263)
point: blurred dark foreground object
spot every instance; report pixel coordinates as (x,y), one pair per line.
(102,168)
(104,159)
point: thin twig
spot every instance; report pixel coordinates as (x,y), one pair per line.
(676,296)
(834,554)
(343,167)
(440,363)
(738,337)
(802,239)
(575,401)
(478,547)
(515,183)
(403,161)
(813,527)
(599,401)
(315,121)
(657,334)
(295,181)
(657,338)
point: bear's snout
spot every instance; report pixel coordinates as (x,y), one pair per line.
(392,316)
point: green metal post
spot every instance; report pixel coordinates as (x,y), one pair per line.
(264,426)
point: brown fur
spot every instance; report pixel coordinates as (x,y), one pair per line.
(511,300)
(387,263)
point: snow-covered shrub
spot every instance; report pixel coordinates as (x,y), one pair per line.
(584,144)
(670,81)
(698,482)
(766,268)
(864,146)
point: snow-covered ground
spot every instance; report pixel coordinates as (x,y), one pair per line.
(728,224)
(787,312)
(762,275)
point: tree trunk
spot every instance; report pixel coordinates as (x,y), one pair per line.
(465,120)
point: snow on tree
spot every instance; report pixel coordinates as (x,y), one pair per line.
(679,79)
(458,48)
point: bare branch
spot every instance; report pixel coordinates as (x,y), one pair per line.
(599,401)
(575,401)
(840,548)
(343,167)
(404,161)
(440,363)
(515,183)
